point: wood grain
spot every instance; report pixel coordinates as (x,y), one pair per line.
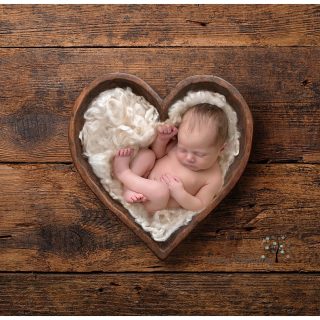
(51,221)
(39,86)
(200,82)
(158,25)
(160,294)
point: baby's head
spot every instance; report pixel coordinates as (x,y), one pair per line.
(202,136)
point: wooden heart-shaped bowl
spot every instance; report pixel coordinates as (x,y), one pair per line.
(141,88)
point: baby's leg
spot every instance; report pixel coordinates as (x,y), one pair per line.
(141,165)
(156,192)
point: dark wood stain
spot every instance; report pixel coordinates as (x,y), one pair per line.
(62,252)
(159,25)
(279,103)
(71,240)
(160,294)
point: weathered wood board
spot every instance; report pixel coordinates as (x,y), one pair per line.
(63,253)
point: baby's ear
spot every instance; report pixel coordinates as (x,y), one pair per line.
(223,146)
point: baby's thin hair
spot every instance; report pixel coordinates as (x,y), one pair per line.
(206,114)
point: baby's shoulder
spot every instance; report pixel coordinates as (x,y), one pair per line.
(171,146)
(215,176)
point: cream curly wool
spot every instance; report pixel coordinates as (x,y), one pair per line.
(119,118)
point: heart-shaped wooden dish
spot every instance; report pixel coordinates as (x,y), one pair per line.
(141,88)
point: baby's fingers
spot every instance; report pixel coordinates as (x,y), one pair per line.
(162,179)
(165,178)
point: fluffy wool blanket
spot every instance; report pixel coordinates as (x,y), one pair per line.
(119,118)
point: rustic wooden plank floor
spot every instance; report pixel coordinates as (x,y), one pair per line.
(63,253)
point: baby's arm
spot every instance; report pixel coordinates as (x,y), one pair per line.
(186,200)
(164,134)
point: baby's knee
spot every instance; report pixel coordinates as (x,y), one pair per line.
(147,155)
(163,191)
(158,198)
(145,158)
(161,194)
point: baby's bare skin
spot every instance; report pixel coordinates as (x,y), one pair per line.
(169,167)
(129,195)
(186,173)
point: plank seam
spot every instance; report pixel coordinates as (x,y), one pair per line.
(158,272)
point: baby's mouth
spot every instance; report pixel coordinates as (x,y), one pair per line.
(190,165)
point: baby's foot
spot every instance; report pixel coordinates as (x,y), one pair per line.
(132,196)
(167,131)
(121,161)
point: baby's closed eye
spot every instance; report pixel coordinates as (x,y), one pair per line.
(201,155)
(198,154)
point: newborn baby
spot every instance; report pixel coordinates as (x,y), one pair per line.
(181,169)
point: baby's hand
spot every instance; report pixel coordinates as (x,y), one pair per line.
(166,131)
(174,183)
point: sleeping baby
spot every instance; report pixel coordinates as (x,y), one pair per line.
(181,168)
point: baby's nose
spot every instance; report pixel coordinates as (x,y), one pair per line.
(190,157)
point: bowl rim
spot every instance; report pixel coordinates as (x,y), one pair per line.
(162,106)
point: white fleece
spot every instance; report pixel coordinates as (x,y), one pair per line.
(119,118)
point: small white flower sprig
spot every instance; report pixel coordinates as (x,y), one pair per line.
(275,245)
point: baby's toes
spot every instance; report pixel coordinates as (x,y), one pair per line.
(140,197)
(133,198)
(125,152)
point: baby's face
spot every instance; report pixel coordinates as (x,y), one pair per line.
(195,150)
